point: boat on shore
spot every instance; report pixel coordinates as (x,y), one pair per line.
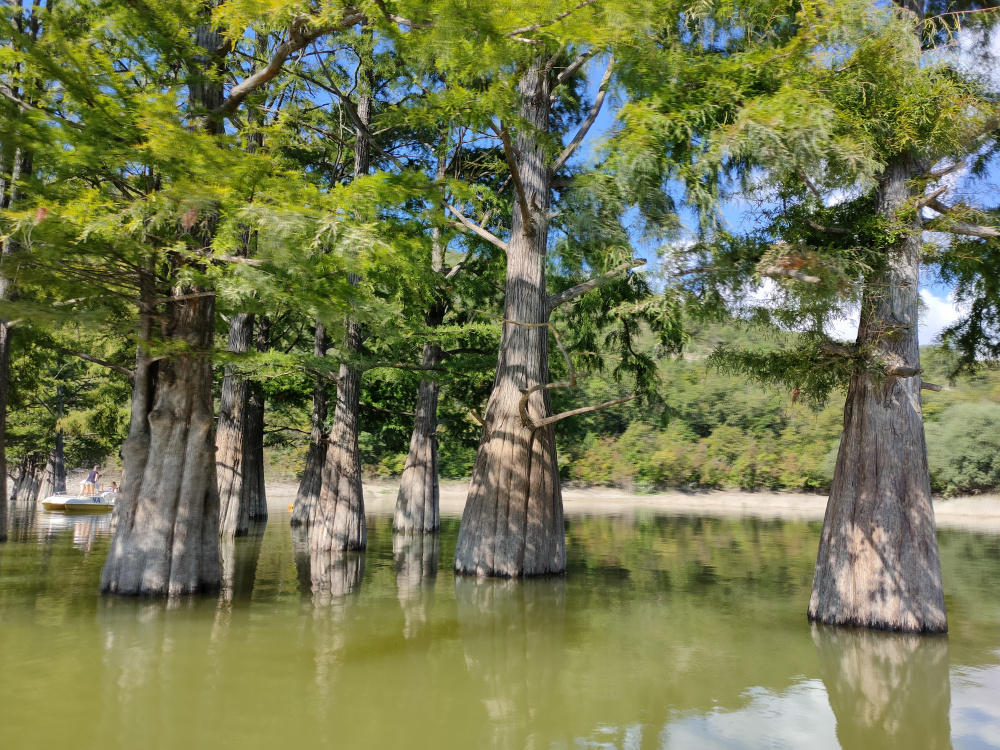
(101,503)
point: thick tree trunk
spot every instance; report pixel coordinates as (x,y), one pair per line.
(513,519)
(338,519)
(166,535)
(878,564)
(312,476)
(886,690)
(418,501)
(239,441)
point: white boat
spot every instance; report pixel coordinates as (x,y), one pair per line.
(101,503)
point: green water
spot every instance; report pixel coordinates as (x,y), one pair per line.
(674,632)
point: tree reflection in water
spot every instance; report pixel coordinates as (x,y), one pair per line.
(512,637)
(416,559)
(886,689)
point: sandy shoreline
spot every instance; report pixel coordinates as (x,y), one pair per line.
(981,513)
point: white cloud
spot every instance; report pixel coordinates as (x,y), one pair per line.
(936,314)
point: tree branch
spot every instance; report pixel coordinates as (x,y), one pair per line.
(298,39)
(575,291)
(808,183)
(388,411)
(790,273)
(926,200)
(536,26)
(930,387)
(573,412)
(961,227)
(574,66)
(827,230)
(473,227)
(591,117)
(401,20)
(103,363)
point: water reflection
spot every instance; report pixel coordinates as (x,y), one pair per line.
(512,638)
(239,563)
(886,689)
(416,561)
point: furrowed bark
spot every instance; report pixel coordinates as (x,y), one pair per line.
(166,535)
(312,476)
(513,520)
(28,480)
(338,518)
(878,564)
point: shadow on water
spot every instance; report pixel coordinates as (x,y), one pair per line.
(416,563)
(512,639)
(886,690)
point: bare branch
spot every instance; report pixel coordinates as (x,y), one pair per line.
(960,227)
(103,363)
(473,227)
(573,412)
(388,411)
(827,230)
(594,111)
(401,20)
(515,174)
(930,387)
(808,183)
(298,39)
(939,173)
(574,66)
(840,350)
(327,375)
(790,273)
(573,292)
(926,200)
(536,26)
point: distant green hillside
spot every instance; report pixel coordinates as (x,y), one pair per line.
(716,431)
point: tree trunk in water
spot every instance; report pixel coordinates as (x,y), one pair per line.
(338,518)
(253,477)
(312,477)
(878,564)
(54,476)
(418,502)
(239,441)
(21,165)
(513,519)
(166,531)
(28,481)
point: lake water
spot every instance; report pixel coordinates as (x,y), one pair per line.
(666,632)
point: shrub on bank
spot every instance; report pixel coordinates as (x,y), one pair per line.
(963,450)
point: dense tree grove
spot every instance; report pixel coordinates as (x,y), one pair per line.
(489,240)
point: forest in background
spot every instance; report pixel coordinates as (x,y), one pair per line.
(706,429)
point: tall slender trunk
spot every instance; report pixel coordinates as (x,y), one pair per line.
(28,480)
(338,518)
(878,564)
(513,520)
(54,476)
(166,535)
(20,167)
(232,457)
(253,476)
(312,476)
(418,502)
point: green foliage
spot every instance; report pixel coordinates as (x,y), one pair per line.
(963,449)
